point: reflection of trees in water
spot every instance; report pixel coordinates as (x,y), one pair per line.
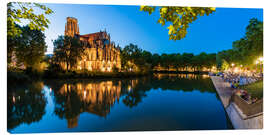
(97,97)
(68,106)
(25,104)
(185,82)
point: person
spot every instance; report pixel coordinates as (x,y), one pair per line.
(254,100)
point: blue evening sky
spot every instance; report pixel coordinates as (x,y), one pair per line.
(126,24)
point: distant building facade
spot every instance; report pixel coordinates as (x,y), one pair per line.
(100,55)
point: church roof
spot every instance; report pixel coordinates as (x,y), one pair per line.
(92,35)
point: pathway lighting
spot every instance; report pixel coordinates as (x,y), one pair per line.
(257,62)
(236,70)
(261,59)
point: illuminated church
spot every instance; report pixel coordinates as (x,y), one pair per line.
(101,53)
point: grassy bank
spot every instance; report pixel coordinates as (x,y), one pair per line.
(255,89)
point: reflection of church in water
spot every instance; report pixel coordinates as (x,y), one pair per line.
(97,97)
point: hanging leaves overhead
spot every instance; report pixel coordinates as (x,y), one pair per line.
(179,18)
(18,11)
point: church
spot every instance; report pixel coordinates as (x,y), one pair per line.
(100,55)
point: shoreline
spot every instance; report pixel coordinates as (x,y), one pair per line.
(238,118)
(22,76)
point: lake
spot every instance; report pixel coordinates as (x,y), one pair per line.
(159,102)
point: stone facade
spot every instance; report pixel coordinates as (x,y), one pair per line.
(101,53)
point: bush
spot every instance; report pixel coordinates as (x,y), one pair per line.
(17,77)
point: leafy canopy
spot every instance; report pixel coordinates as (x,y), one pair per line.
(17,11)
(31,47)
(68,50)
(247,49)
(179,18)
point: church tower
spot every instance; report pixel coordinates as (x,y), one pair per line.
(71,27)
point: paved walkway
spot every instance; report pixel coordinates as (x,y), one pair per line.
(225,92)
(223,89)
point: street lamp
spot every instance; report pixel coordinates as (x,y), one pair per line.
(261,63)
(261,59)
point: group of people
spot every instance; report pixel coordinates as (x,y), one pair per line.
(245,95)
(238,79)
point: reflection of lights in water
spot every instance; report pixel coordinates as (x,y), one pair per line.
(205,76)
(84,94)
(109,69)
(13,99)
(129,88)
(50,89)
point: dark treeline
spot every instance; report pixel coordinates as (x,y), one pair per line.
(244,52)
(134,58)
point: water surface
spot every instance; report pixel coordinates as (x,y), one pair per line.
(159,102)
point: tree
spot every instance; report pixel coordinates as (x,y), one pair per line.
(68,50)
(247,49)
(25,107)
(178,17)
(187,59)
(155,60)
(31,47)
(250,47)
(12,43)
(225,65)
(16,11)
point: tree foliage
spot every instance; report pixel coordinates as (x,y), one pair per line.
(133,57)
(32,47)
(179,18)
(247,49)
(29,48)
(25,107)
(18,11)
(144,59)
(68,50)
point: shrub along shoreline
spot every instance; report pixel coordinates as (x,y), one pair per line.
(25,76)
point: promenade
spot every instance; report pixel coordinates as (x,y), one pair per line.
(237,116)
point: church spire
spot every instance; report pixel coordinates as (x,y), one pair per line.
(72,27)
